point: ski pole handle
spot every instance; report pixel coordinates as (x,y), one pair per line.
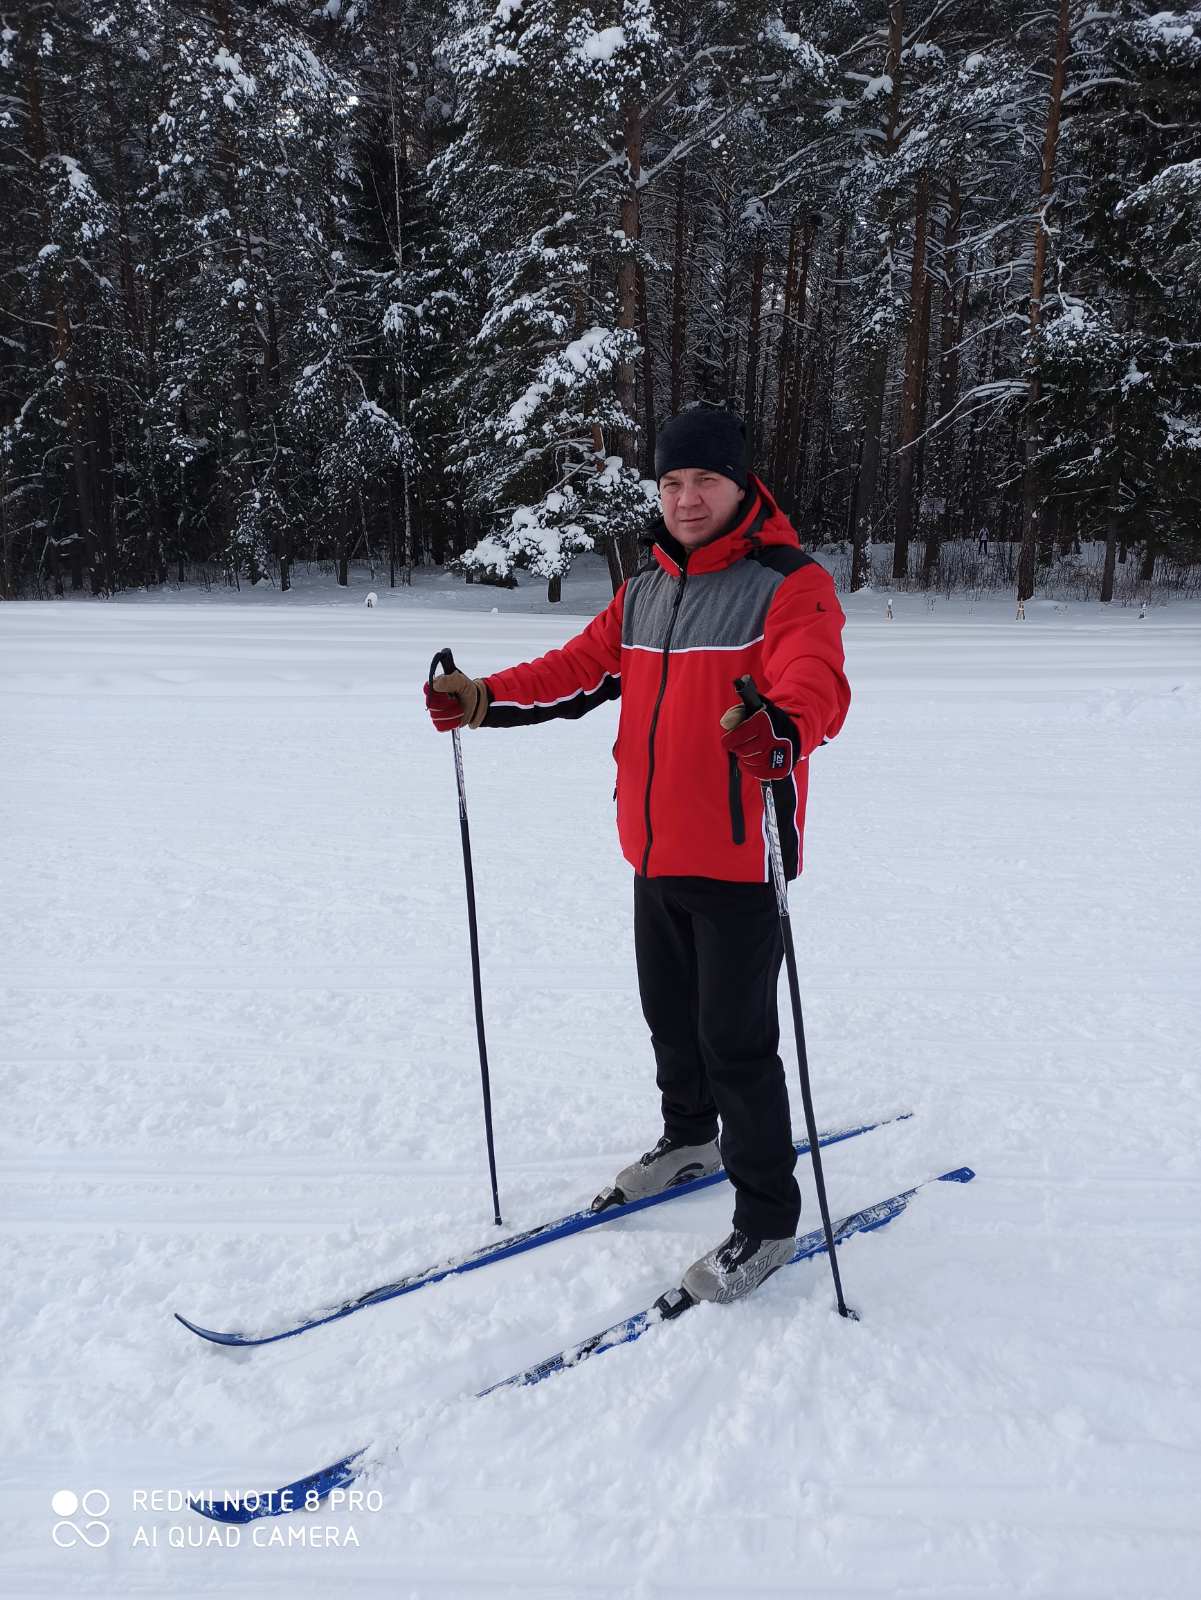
(748,694)
(443,660)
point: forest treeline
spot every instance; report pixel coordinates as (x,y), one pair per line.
(311,279)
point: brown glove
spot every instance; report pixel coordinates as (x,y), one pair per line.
(456,701)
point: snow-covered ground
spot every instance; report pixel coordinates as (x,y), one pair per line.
(240,1079)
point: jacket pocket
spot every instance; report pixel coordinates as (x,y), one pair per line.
(737,820)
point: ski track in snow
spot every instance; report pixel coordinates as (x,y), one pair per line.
(240,1080)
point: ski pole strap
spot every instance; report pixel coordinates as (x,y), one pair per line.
(443,662)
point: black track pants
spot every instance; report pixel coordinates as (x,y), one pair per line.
(708,956)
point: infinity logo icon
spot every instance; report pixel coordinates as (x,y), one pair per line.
(93,1504)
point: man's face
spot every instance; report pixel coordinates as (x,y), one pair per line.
(697,504)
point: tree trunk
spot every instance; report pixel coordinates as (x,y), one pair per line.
(68,404)
(948,380)
(626,546)
(619,557)
(400,147)
(808,393)
(973,485)
(151,558)
(761,409)
(791,463)
(1032,498)
(8,572)
(648,380)
(915,366)
(877,366)
(923,406)
(1048,528)
(679,299)
(627,272)
(96,419)
(869,458)
(390,507)
(830,367)
(227,162)
(754,329)
(784,363)
(728,346)
(81,550)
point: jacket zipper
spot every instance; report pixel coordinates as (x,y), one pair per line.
(737,820)
(650,742)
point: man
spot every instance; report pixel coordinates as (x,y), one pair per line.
(729,591)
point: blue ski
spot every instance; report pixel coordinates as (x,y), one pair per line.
(305,1494)
(515,1245)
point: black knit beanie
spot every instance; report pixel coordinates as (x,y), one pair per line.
(714,441)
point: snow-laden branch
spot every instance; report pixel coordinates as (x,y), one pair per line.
(1073,89)
(683,147)
(1001,391)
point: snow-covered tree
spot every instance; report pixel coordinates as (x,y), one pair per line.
(1117,350)
(286,280)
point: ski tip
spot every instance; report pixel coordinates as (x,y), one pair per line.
(212,1335)
(232,1340)
(239,1509)
(960,1175)
(306,1494)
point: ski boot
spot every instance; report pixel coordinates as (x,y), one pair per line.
(736,1266)
(667,1165)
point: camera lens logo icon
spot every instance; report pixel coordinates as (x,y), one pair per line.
(79,1518)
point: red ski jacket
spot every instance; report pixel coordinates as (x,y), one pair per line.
(670,644)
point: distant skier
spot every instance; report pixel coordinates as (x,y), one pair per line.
(728,591)
(982,542)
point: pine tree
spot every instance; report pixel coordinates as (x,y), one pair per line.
(285,281)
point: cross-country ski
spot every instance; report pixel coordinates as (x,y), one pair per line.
(610,1210)
(307,1493)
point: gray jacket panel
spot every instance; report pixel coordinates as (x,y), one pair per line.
(724,610)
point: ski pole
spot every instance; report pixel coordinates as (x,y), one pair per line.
(753,701)
(446,662)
